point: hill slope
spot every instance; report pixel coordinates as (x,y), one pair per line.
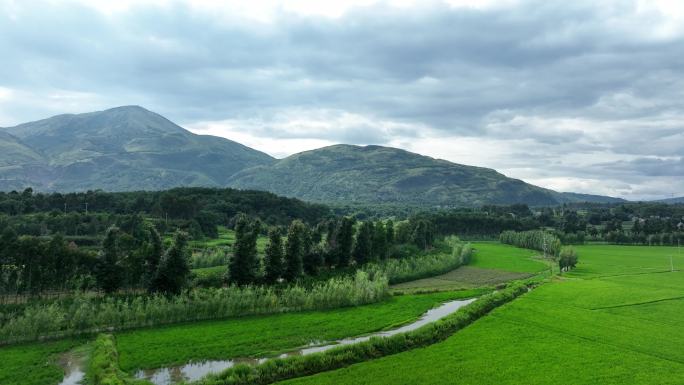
(374,174)
(123,148)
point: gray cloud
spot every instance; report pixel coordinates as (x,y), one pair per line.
(598,81)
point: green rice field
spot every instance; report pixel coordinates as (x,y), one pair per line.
(616,319)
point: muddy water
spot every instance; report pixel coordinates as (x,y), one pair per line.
(196,370)
(190,372)
(72,363)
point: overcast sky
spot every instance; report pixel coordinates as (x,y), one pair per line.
(584,96)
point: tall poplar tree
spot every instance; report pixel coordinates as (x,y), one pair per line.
(109,271)
(294,250)
(273,260)
(244,265)
(363,248)
(174,267)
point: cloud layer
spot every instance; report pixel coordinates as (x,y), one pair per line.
(582,96)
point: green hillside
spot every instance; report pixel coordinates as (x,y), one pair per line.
(374,174)
(123,148)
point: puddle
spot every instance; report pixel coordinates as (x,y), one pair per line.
(197,370)
(72,364)
(190,372)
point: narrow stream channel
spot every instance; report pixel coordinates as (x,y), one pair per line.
(196,370)
(193,371)
(72,364)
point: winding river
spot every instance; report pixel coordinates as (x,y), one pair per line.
(194,371)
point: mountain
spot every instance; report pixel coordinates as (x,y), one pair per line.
(123,148)
(131,148)
(569,197)
(375,174)
(671,201)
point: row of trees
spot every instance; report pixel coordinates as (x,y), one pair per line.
(148,266)
(534,239)
(136,259)
(335,244)
(543,241)
(179,203)
(32,265)
(86,314)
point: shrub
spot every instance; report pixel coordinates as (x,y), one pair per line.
(423,266)
(103,367)
(567,259)
(86,314)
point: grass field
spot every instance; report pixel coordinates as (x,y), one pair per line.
(616,319)
(492,264)
(33,364)
(226,238)
(264,335)
(36,364)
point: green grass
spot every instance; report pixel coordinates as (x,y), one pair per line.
(264,335)
(491,264)
(33,364)
(507,258)
(603,260)
(464,277)
(227,238)
(616,319)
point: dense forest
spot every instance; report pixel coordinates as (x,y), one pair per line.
(151,241)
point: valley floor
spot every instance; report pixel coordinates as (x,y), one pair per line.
(616,319)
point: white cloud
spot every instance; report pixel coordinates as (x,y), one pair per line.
(581,95)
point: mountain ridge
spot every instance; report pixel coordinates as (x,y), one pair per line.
(377,174)
(131,148)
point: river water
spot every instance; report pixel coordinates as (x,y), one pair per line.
(196,370)
(193,371)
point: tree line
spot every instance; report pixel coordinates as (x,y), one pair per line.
(219,204)
(336,244)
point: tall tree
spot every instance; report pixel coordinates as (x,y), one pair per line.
(273,260)
(312,254)
(153,254)
(244,265)
(109,272)
(294,250)
(344,241)
(379,242)
(390,232)
(423,235)
(174,267)
(363,248)
(9,268)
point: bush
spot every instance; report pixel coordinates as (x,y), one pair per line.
(86,315)
(103,367)
(567,259)
(423,266)
(208,277)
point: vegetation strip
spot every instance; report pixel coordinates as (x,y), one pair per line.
(103,367)
(424,266)
(282,369)
(87,315)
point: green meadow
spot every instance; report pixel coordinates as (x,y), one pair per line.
(266,335)
(37,363)
(491,264)
(616,319)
